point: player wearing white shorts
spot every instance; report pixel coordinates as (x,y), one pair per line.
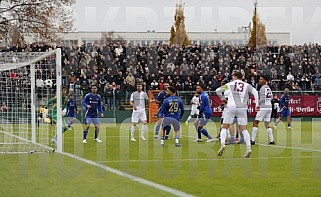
(237,107)
(230,131)
(194,110)
(264,115)
(137,100)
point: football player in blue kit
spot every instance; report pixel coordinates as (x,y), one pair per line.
(93,103)
(173,110)
(159,100)
(71,110)
(205,113)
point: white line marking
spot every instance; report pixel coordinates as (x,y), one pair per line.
(222,159)
(290,147)
(277,146)
(118,172)
(80,137)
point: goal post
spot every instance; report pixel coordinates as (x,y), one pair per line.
(28,121)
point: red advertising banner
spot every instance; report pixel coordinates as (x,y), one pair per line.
(309,105)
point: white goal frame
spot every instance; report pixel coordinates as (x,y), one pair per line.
(59,124)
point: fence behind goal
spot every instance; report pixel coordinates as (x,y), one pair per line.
(29,86)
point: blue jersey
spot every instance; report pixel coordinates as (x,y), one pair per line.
(284,101)
(96,105)
(161,97)
(172,107)
(205,105)
(71,107)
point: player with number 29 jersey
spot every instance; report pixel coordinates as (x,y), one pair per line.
(172,107)
(173,110)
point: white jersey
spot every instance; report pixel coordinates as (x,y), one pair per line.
(266,96)
(139,99)
(196,102)
(238,94)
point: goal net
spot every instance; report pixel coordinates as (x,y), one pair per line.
(30,102)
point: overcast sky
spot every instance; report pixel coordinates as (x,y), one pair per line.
(302,18)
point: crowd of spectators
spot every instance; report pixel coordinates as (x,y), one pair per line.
(116,67)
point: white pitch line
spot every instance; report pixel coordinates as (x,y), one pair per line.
(222,159)
(80,137)
(112,170)
(290,147)
(277,146)
(129,176)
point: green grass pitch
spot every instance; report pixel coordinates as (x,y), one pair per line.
(290,168)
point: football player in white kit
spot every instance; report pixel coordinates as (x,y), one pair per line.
(194,110)
(264,115)
(230,135)
(137,100)
(237,107)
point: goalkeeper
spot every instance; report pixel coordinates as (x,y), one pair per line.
(53,114)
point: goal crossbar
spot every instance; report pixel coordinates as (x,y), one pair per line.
(10,66)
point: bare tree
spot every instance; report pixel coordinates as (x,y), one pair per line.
(45,19)
(178,32)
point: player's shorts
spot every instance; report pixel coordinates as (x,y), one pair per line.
(136,116)
(263,115)
(168,121)
(239,113)
(195,112)
(94,120)
(203,120)
(73,115)
(285,113)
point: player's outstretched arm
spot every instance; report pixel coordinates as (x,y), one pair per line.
(158,98)
(219,91)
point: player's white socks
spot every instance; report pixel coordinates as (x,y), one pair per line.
(144,128)
(247,139)
(223,136)
(132,131)
(189,118)
(269,130)
(254,132)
